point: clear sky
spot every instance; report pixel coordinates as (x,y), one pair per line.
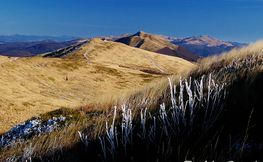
(226,20)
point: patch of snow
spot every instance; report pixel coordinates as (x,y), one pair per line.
(25,130)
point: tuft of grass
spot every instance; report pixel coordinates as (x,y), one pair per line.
(75,115)
(51,78)
(27,104)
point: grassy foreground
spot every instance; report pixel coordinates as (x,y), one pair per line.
(215,115)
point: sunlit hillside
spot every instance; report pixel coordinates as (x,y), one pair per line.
(35,85)
(154,43)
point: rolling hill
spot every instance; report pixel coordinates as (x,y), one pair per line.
(154,43)
(35,85)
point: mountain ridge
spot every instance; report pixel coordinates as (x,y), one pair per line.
(154,43)
(204,45)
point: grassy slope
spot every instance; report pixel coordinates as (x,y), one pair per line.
(30,86)
(241,69)
(241,119)
(118,54)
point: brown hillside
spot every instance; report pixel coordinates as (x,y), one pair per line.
(154,43)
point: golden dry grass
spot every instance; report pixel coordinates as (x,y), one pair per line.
(120,55)
(237,53)
(30,86)
(155,93)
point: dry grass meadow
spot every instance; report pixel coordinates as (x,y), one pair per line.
(221,105)
(35,85)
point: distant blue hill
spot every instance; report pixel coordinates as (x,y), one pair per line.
(238,44)
(203,45)
(32,38)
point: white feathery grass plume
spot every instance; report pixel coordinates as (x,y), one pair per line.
(216,107)
(184,118)
(116,137)
(181,97)
(191,100)
(84,139)
(102,142)
(28,152)
(143,124)
(126,127)
(200,90)
(213,108)
(111,134)
(208,100)
(196,101)
(172,93)
(152,133)
(163,118)
(175,109)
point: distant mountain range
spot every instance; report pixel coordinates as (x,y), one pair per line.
(20,49)
(190,48)
(23,45)
(203,45)
(238,44)
(28,38)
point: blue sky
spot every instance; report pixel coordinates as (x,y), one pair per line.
(226,20)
